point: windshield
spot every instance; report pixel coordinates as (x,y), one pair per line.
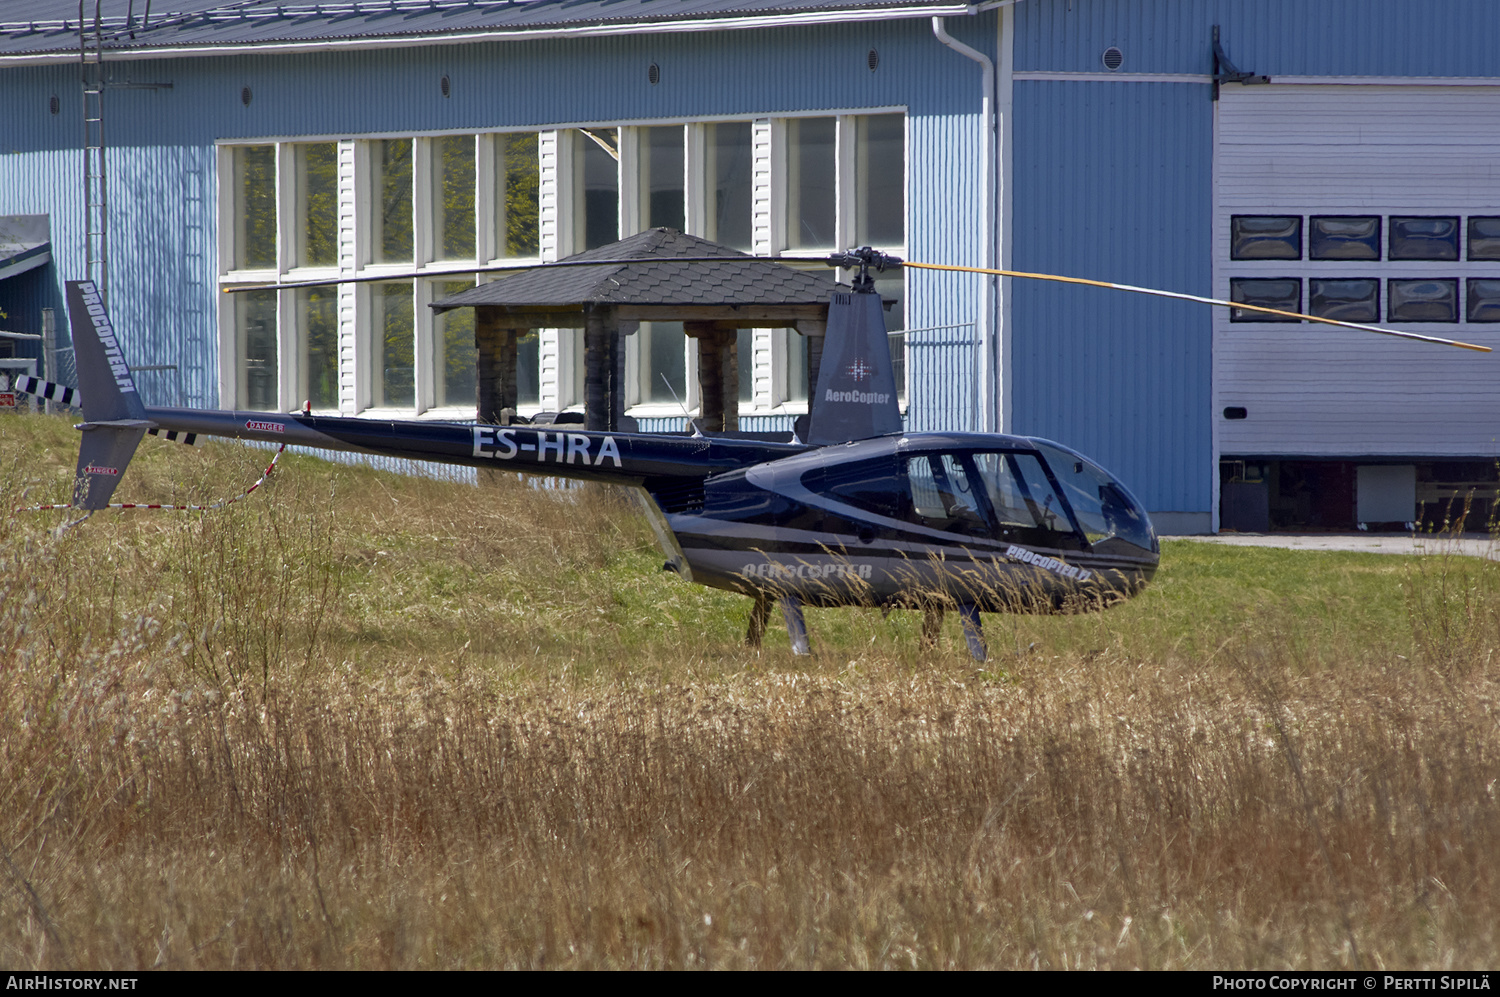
(1006,496)
(1020,492)
(1102,506)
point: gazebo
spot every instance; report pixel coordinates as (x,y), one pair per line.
(660,275)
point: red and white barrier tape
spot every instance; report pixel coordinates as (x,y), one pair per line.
(171,508)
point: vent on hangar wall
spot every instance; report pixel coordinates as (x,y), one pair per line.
(1112,58)
(446,86)
(53,105)
(873,60)
(246,96)
(653,74)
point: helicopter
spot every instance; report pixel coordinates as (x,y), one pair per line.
(859,513)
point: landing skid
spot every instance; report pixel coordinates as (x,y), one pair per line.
(973,631)
(796,625)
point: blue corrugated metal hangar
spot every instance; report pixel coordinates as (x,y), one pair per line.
(1335,157)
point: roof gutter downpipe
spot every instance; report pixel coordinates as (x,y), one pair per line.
(989,375)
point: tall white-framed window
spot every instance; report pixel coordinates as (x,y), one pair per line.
(661,172)
(255,351)
(252,170)
(729,184)
(594,189)
(314,198)
(453,178)
(390,209)
(811,184)
(835,182)
(391,347)
(455,381)
(317,338)
(509,196)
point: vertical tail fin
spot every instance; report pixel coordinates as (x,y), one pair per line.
(856,393)
(104,380)
(116,417)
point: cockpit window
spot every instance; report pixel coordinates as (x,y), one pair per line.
(944,496)
(1103,508)
(926,501)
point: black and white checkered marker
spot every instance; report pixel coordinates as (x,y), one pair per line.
(191,439)
(25,384)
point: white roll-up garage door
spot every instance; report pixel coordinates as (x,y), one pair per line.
(1373,202)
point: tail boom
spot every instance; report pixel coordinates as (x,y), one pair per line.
(625,458)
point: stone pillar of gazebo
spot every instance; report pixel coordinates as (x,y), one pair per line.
(718,375)
(495,365)
(604,371)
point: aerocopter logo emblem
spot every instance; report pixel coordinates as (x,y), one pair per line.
(859,370)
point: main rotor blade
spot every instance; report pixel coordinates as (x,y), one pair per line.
(1220,302)
(888,261)
(271,285)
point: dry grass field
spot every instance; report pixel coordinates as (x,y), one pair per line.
(362,721)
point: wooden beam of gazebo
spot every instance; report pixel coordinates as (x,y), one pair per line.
(658,276)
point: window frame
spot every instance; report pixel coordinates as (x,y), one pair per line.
(767,359)
(1310,269)
(355,257)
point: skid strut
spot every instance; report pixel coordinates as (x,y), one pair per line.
(973,631)
(796,626)
(760,615)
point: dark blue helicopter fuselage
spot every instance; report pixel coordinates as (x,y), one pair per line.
(920,518)
(999,522)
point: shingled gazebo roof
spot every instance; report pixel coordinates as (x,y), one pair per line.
(659,267)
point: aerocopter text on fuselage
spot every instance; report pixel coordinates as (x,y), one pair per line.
(857,514)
